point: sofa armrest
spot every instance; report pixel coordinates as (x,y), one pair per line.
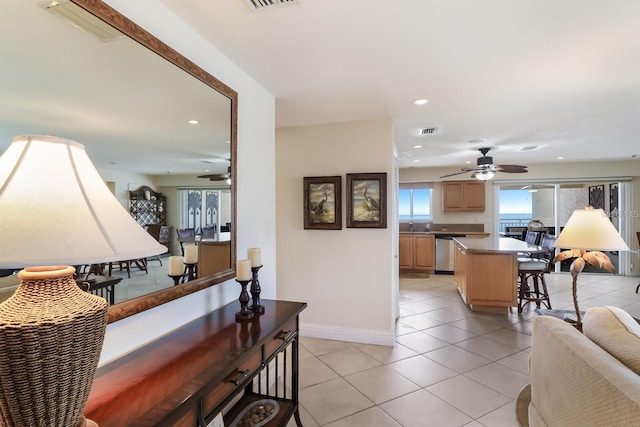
(575,382)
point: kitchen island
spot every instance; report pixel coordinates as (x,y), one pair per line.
(486,271)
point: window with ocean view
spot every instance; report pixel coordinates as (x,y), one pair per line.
(414,204)
(516,208)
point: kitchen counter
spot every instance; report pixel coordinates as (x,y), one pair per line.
(450,233)
(486,271)
(495,245)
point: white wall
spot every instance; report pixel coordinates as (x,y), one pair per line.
(256,180)
(345,275)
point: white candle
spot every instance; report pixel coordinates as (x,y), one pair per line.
(255,255)
(243,269)
(190,254)
(175,266)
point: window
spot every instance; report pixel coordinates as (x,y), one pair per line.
(414,203)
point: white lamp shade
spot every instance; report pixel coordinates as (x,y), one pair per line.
(55,209)
(590,229)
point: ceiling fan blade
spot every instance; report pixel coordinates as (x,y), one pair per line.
(457,173)
(512,168)
(215,176)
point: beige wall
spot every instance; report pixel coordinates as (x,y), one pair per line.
(345,275)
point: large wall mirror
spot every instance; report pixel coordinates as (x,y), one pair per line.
(127,97)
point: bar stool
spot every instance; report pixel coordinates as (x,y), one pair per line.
(532,286)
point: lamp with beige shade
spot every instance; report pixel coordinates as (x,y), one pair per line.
(56,211)
(587,234)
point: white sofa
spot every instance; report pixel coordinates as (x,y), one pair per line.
(588,379)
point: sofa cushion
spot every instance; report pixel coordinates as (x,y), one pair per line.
(616,332)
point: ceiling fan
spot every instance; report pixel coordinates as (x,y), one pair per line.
(485,168)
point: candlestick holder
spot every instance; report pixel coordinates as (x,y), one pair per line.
(191,271)
(176,278)
(245,313)
(256,307)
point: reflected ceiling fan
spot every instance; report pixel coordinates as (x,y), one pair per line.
(485,168)
(218,176)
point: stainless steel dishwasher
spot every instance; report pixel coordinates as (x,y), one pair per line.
(444,253)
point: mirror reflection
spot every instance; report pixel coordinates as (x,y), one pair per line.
(150,128)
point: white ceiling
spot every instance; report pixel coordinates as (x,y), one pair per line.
(563,75)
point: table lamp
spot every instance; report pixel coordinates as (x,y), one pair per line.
(588,232)
(56,211)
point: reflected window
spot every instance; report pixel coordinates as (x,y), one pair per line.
(203,208)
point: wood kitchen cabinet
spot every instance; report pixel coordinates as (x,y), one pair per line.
(416,252)
(463,196)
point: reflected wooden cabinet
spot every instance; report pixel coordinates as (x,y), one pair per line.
(463,196)
(213,257)
(416,252)
(148,206)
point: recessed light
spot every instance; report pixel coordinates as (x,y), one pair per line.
(417,146)
(468,162)
(421,101)
(477,141)
(560,158)
(416,161)
(193,122)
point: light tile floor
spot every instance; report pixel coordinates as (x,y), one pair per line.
(449,367)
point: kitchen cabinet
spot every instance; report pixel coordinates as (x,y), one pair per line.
(416,252)
(463,196)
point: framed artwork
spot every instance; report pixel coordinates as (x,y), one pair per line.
(367,200)
(322,203)
(613,201)
(596,196)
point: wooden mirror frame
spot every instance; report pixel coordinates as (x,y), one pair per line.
(112,17)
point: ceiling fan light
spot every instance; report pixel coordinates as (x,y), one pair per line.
(484,175)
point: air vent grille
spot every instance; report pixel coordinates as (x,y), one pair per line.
(428,131)
(262,4)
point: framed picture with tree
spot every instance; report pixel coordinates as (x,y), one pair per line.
(596,196)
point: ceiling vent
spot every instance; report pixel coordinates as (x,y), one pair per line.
(269,4)
(428,131)
(81,19)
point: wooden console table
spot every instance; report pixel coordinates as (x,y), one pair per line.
(189,376)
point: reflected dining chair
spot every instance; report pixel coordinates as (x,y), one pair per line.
(186,235)
(208,232)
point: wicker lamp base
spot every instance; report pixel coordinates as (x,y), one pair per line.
(51,335)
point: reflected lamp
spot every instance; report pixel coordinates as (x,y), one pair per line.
(56,212)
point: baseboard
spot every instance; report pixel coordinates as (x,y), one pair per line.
(350,335)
